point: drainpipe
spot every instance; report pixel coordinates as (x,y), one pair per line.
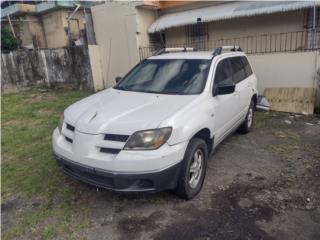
(68,20)
(11,27)
(78,6)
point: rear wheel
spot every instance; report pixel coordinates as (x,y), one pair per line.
(247,124)
(193,169)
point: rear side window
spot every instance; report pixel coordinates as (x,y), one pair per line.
(238,70)
(247,66)
(223,72)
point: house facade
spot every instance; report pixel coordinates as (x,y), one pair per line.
(46,24)
(127,32)
(256,26)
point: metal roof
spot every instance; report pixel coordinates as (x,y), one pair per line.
(226,11)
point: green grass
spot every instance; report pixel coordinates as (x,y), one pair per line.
(28,168)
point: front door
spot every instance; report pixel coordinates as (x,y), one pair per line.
(225,106)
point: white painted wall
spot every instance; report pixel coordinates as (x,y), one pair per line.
(285,69)
(96,67)
(115,27)
(145,17)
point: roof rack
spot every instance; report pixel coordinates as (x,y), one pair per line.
(219,50)
(178,49)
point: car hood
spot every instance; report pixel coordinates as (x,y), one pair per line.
(123,112)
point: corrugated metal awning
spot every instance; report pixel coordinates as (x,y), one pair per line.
(226,11)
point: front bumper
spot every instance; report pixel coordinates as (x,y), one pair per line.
(122,182)
(85,150)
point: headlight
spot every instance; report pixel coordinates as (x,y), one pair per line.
(148,139)
(61,123)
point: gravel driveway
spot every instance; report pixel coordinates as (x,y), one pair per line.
(263,185)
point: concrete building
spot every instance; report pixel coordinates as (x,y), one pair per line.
(129,31)
(281,38)
(45,24)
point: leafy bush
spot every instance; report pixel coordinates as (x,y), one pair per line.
(8,41)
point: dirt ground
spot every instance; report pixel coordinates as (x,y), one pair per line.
(263,185)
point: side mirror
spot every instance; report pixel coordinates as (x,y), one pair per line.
(223,89)
(118,79)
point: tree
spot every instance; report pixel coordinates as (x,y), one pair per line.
(8,41)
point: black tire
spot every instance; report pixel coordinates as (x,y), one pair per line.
(184,188)
(247,125)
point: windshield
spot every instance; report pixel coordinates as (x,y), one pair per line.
(167,76)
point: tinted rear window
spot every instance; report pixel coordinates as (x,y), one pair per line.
(247,66)
(237,67)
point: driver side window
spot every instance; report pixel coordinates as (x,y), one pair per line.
(223,73)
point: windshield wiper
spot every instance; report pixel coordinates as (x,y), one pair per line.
(120,88)
(173,93)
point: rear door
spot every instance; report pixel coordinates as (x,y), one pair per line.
(242,85)
(225,106)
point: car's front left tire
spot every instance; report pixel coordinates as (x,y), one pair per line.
(193,169)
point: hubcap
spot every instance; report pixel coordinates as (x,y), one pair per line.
(250,117)
(196,168)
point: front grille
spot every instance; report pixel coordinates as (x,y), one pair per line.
(116,137)
(87,176)
(104,179)
(110,150)
(70,127)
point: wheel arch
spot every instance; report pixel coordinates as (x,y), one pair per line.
(254,98)
(205,134)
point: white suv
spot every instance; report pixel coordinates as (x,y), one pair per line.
(155,129)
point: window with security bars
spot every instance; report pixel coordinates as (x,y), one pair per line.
(156,40)
(313,37)
(197,35)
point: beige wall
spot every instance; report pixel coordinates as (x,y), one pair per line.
(55,34)
(36,31)
(243,27)
(287,70)
(115,27)
(54,23)
(273,23)
(27,30)
(145,17)
(76,23)
(96,67)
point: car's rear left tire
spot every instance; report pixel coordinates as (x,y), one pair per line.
(245,127)
(193,169)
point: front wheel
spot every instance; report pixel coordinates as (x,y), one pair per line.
(193,169)
(247,124)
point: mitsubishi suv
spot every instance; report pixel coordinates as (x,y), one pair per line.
(155,129)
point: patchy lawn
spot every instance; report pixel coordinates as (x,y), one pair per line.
(263,185)
(36,198)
